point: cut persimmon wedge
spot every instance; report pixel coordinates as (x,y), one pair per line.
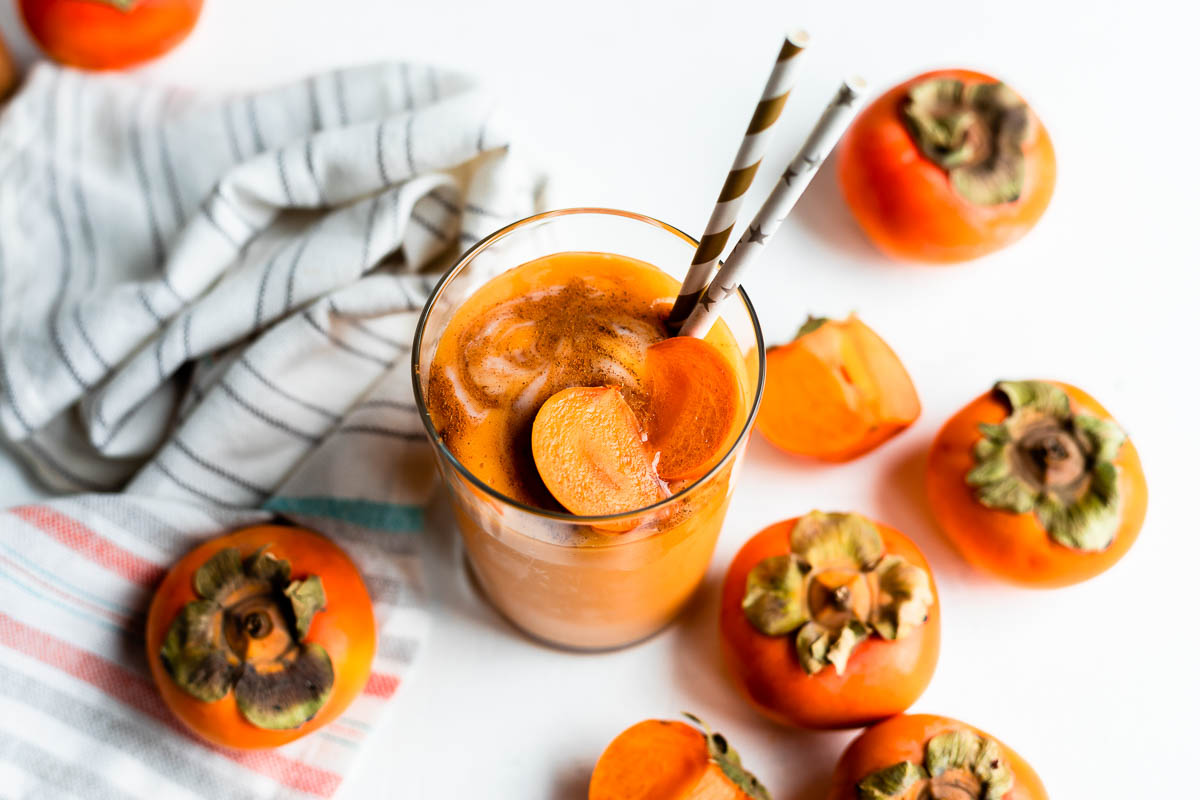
(835,392)
(589,451)
(694,399)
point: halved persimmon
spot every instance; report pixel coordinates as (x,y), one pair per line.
(835,392)
(590,452)
(694,402)
(925,756)
(830,621)
(661,759)
(1035,483)
(260,637)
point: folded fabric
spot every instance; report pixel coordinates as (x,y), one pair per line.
(206,310)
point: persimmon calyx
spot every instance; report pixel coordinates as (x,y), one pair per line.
(959,765)
(974,133)
(835,589)
(244,634)
(729,761)
(1046,459)
(810,325)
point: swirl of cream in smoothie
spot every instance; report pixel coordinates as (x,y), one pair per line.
(521,351)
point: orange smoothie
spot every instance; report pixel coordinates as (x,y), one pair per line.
(573,319)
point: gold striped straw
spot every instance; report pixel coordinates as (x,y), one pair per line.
(778,205)
(741,174)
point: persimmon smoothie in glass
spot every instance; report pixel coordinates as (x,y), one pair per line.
(589,454)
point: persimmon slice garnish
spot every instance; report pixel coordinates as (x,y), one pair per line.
(693,405)
(590,453)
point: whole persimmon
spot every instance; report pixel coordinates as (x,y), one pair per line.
(921,755)
(834,392)
(830,621)
(261,636)
(946,167)
(661,759)
(1035,483)
(108,34)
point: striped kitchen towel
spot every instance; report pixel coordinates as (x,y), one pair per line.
(206,309)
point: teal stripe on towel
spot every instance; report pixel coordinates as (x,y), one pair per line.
(367,513)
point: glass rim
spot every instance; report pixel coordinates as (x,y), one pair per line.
(560,516)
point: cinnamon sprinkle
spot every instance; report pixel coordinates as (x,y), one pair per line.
(519,351)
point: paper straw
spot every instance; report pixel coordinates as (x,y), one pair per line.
(778,205)
(741,174)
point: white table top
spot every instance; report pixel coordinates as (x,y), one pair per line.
(639,105)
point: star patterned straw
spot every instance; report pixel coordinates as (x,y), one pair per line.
(778,205)
(741,175)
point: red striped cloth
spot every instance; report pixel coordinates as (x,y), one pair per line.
(76,577)
(208,303)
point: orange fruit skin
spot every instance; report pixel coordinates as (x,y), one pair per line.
(654,758)
(1013,546)
(92,34)
(346,629)
(660,760)
(882,678)
(905,203)
(835,393)
(903,738)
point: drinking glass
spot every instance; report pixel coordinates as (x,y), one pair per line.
(600,582)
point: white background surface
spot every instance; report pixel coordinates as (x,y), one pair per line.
(640,105)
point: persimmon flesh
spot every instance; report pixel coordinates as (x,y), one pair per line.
(835,392)
(590,453)
(694,403)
